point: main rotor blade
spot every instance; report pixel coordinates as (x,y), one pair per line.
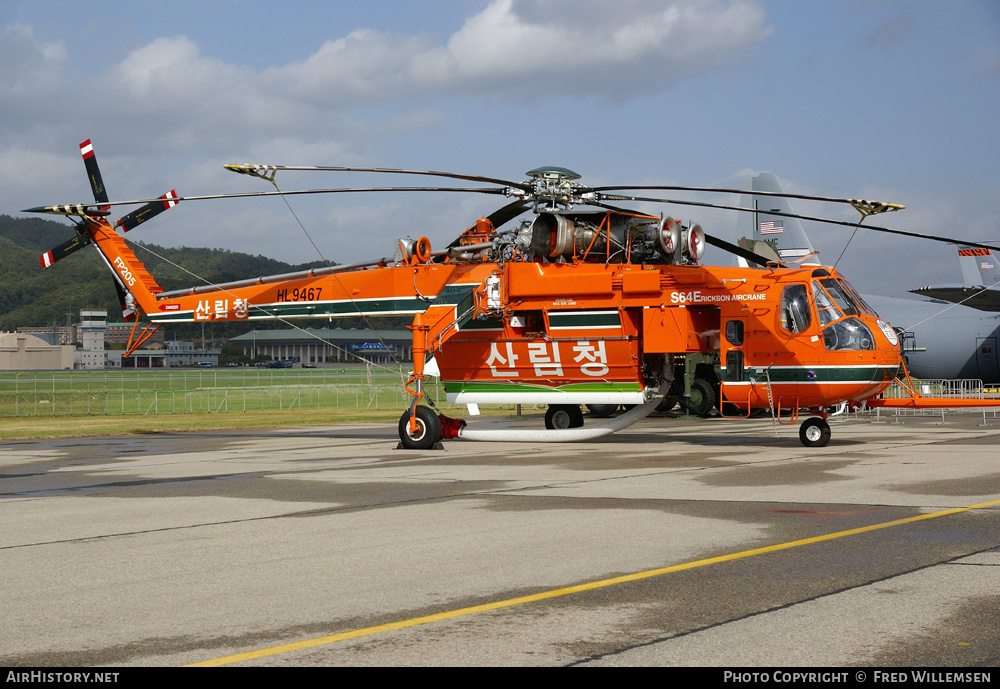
(504,215)
(889,230)
(252,194)
(80,209)
(779,194)
(264,170)
(734,249)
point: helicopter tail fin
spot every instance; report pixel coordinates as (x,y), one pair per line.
(136,287)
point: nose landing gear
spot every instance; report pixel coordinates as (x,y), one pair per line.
(814,432)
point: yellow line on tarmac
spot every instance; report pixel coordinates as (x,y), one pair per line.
(556,593)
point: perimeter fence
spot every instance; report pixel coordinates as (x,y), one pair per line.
(941,389)
(184,391)
(222,390)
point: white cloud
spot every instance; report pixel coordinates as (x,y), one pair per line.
(532,49)
(167,95)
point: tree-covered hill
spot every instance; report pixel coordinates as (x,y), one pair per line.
(31,296)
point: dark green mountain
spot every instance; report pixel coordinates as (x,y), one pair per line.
(31,296)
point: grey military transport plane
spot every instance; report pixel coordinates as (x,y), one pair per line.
(939,340)
(982,281)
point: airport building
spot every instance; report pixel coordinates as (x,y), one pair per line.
(23,352)
(93,324)
(319,345)
(43,351)
(116,333)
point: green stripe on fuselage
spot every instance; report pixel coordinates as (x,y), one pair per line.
(820,374)
(452,294)
(467,386)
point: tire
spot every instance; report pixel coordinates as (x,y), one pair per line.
(666,405)
(561,416)
(702,399)
(814,432)
(428,430)
(601,411)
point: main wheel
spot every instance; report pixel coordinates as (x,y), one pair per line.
(702,399)
(667,404)
(560,416)
(814,432)
(601,411)
(428,429)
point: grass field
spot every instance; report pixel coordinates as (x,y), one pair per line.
(33,427)
(182,391)
(44,404)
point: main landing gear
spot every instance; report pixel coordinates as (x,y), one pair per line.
(560,416)
(814,432)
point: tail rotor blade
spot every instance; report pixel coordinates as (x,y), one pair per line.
(150,210)
(94,172)
(63,250)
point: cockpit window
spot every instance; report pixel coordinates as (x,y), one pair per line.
(795,314)
(854,293)
(850,334)
(827,310)
(842,297)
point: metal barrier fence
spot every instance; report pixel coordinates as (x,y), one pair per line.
(939,389)
(81,393)
(182,391)
(968,388)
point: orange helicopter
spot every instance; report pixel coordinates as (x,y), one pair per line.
(597,305)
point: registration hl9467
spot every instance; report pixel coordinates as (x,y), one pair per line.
(297,294)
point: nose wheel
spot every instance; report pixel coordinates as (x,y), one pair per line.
(814,432)
(428,430)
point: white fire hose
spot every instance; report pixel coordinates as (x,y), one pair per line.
(566,435)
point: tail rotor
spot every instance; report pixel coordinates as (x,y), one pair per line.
(92,221)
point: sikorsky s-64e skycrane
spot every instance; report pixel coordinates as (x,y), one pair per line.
(584,303)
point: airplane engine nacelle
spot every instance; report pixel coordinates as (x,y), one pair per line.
(669,237)
(552,235)
(694,242)
(404,250)
(409,249)
(616,238)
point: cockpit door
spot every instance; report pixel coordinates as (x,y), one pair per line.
(735,386)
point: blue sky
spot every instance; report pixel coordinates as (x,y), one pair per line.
(895,100)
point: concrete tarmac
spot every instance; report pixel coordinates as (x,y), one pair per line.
(168,549)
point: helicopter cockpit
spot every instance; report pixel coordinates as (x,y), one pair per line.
(838,308)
